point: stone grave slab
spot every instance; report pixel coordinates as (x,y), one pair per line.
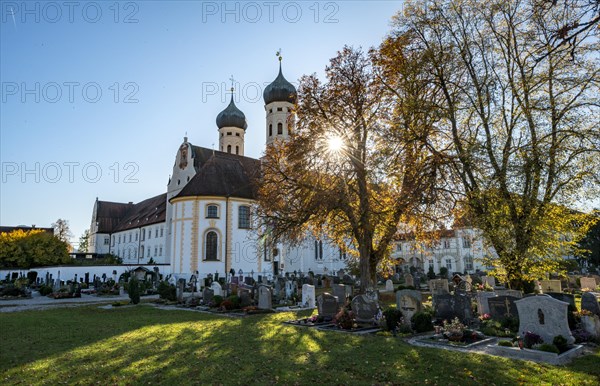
(207,295)
(216,287)
(545,316)
(482,301)
(502,306)
(409,280)
(245,298)
(339,290)
(308,296)
(590,301)
(409,303)
(265,297)
(327,305)
(389,285)
(365,308)
(447,306)
(550,286)
(588,283)
(439,286)
(509,292)
(568,298)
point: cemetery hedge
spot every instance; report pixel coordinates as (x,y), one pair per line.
(146,345)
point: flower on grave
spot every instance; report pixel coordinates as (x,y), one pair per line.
(530,339)
(485,317)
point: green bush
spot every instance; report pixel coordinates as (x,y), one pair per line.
(217,300)
(235,301)
(510,322)
(561,343)
(421,322)
(45,290)
(133,288)
(392,317)
(430,273)
(548,348)
(505,343)
(167,291)
(443,272)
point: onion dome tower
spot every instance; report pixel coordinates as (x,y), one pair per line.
(232,127)
(280,98)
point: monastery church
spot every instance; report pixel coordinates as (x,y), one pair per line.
(204,222)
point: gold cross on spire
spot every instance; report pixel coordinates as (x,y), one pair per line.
(278,54)
(232,84)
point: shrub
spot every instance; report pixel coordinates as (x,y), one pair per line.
(133,288)
(561,343)
(167,291)
(548,348)
(443,272)
(404,329)
(45,290)
(344,319)
(234,300)
(226,305)
(421,322)
(393,316)
(505,343)
(216,301)
(530,339)
(510,322)
(581,335)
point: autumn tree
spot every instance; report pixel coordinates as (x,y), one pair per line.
(84,241)
(355,167)
(34,248)
(63,231)
(521,122)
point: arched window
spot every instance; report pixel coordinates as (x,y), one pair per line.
(229,149)
(270,130)
(210,245)
(212,211)
(237,150)
(244,217)
(280,128)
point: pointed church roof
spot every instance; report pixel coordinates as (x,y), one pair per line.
(280,90)
(231,117)
(223,174)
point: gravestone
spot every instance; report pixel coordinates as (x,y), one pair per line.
(488,280)
(590,302)
(409,303)
(439,286)
(365,308)
(208,295)
(289,289)
(588,283)
(327,305)
(308,296)
(180,289)
(568,298)
(235,280)
(550,286)
(447,306)
(509,292)
(347,279)
(245,299)
(389,285)
(248,280)
(482,301)
(340,273)
(265,280)
(502,306)
(339,290)
(409,280)
(545,316)
(265,298)
(216,287)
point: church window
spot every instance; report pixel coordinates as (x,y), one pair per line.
(156,232)
(155,251)
(244,217)
(446,244)
(449,264)
(141,252)
(130,237)
(237,150)
(106,241)
(212,211)
(468,262)
(129,253)
(237,134)
(113,241)
(210,246)
(229,149)
(149,233)
(136,237)
(149,252)
(280,128)
(270,130)
(161,231)
(222,134)
(188,178)
(279,109)
(119,239)
(178,182)
(318,250)
(229,133)
(466,243)
(270,110)
(160,251)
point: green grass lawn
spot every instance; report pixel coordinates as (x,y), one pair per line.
(145,345)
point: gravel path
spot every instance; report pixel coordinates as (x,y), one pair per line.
(38,302)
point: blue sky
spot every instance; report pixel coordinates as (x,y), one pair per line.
(97,96)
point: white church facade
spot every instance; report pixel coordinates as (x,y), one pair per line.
(204,223)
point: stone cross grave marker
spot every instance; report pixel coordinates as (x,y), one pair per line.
(409,303)
(365,308)
(327,305)
(265,297)
(590,302)
(439,286)
(502,306)
(550,286)
(545,316)
(308,295)
(588,283)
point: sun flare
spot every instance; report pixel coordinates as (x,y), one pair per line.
(335,144)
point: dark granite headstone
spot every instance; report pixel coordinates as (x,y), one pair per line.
(245,299)
(365,308)
(327,305)
(235,280)
(567,298)
(248,280)
(589,302)
(448,307)
(207,295)
(503,306)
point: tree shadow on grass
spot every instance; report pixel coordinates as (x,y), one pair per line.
(146,345)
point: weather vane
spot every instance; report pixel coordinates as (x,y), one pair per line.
(232,83)
(278,54)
